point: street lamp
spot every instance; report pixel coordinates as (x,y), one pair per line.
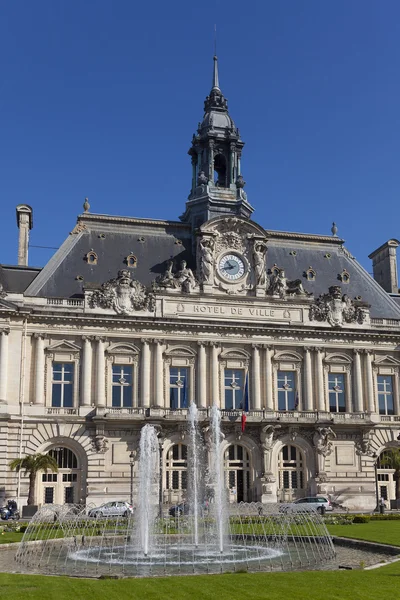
(132,464)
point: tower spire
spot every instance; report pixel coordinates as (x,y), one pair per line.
(215,83)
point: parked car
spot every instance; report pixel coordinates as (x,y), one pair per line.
(311,503)
(179,509)
(112,509)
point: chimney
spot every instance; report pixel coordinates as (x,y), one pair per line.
(384,265)
(25,224)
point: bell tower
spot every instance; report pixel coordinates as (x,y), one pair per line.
(216,150)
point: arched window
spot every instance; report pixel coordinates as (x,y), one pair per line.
(61,487)
(386,483)
(176,472)
(237,473)
(291,472)
(220,170)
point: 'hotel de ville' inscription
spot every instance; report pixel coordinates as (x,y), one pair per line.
(232,311)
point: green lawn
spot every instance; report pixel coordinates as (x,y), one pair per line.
(10,536)
(317,585)
(314,585)
(384,532)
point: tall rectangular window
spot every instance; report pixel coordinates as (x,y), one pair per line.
(337,392)
(385,395)
(287,393)
(234,389)
(178,387)
(62,394)
(122,386)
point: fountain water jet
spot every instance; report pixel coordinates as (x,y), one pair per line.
(146,510)
(195,469)
(220,501)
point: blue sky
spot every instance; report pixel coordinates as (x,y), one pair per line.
(100,98)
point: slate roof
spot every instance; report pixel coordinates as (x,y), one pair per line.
(155,242)
(16,279)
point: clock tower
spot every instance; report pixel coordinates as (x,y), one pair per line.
(216,150)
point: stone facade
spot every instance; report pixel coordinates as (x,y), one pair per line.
(213,310)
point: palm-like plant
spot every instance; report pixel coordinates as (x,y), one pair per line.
(391,459)
(32,464)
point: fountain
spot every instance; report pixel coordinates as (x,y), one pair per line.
(209,539)
(146,510)
(194,470)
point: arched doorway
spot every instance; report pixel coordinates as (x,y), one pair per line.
(175,474)
(237,473)
(291,468)
(61,487)
(386,483)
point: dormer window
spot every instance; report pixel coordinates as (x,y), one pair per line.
(310,274)
(131,261)
(344,276)
(91,257)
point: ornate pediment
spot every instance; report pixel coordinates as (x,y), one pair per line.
(288,356)
(123,294)
(338,358)
(232,257)
(387,360)
(122,348)
(63,346)
(337,309)
(182,351)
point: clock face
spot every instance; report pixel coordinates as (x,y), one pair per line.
(231,267)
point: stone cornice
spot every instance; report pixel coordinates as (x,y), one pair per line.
(97,218)
(310,237)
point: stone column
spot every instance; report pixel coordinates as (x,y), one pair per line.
(211,165)
(194,162)
(308,380)
(215,391)
(358,387)
(145,374)
(269,378)
(321,405)
(3,364)
(370,381)
(159,374)
(86,396)
(38,397)
(100,372)
(255,395)
(201,377)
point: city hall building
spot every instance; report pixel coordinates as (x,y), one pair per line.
(133,319)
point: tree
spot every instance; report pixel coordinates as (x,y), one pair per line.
(32,464)
(391,459)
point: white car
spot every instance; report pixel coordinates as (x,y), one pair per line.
(310,503)
(112,509)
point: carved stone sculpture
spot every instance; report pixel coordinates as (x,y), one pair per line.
(337,309)
(280,286)
(3,293)
(259,251)
(183,280)
(124,294)
(167,280)
(100,444)
(202,179)
(322,440)
(267,441)
(206,248)
(363,445)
